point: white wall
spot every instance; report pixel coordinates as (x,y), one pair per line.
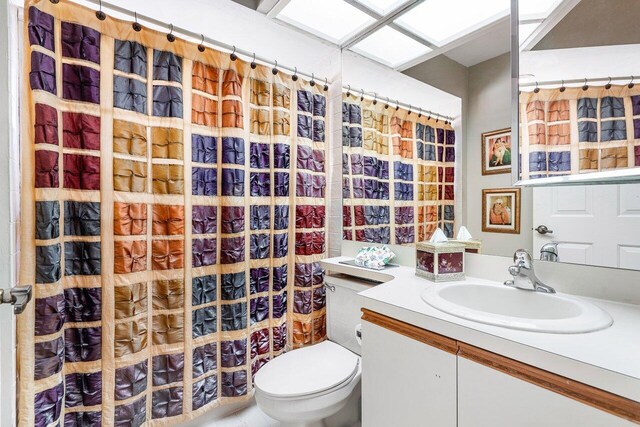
(489,108)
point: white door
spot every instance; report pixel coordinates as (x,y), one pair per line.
(592,224)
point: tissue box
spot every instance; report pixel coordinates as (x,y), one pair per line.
(440,262)
(470,246)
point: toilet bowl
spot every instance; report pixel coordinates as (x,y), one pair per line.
(304,386)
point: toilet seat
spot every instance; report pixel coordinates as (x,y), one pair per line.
(307,371)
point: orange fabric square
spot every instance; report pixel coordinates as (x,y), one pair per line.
(168,220)
(167,254)
(129,219)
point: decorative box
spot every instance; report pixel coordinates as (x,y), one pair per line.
(440,262)
(470,246)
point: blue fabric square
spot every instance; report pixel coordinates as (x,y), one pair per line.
(232,182)
(537,161)
(559,161)
(281,156)
(259,156)
(204,182)
(232,150)
(280,245)
(280,217)
(587,108)
(204,149)
(260,183)
(613,130)
(587,131)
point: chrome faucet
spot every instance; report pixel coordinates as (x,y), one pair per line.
(523,275)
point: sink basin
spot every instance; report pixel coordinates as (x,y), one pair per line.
(517,309)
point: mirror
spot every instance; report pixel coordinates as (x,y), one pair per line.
(578,113)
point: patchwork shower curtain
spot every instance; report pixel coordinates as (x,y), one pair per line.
(579,131)
(173,220)
(398,174)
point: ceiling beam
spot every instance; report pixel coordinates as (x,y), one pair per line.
(265,6)
(548,24)
(277,8)
(381,22)
(455,43)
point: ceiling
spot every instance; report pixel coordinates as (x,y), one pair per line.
(403,33)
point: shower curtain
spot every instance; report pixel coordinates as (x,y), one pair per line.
(398,174)
(578,131)
(173,222)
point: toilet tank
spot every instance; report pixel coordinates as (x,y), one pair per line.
(344,308)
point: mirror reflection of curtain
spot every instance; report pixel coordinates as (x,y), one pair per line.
(579,131)
(398,174)
(174,220)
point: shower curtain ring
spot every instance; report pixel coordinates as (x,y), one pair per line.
(55,1)
(326,84)
(437,118)
(375,98)
(170,36)
(361,94)
(348,91)
(100,14)
(312,82)
(295,74)
(136,25)
(420,112)
(233,55)
(631,85)
(585,86)
(608,85)
(254,65)
(397,105)
(274,70)
(386,106)
(409,110)
(562,88)
(537,89)
(201,47)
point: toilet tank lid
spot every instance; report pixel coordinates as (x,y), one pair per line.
(307,370)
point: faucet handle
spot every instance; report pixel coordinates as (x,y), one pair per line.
(522,258)
(509,283)
(514,270)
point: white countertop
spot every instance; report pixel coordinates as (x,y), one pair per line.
(608,359)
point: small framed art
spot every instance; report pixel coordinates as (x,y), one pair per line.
(501,210)
(496,152)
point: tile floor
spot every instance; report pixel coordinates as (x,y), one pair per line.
(248,416)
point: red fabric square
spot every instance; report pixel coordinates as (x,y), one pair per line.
(304,216)
(358,213)
(81,131)
(81,172)
(46,169)
(46,125)
(359,235)
(449,174)
(318,217)
(448,192)
(304,243)
(346,216)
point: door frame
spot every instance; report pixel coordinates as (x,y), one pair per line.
(11,17)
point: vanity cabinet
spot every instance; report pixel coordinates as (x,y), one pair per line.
(405,382)
(414,377)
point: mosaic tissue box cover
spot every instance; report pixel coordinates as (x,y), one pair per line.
(440,262)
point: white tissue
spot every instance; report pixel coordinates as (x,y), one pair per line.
(438,237)
(463,234)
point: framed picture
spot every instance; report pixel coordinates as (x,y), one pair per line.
(501,210)
(496,152)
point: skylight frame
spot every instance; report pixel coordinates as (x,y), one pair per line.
(392,64)
(304,27)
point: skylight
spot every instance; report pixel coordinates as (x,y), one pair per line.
(536,9)
(382,7)
(525,30)
(442,21)
(390,47)
(333,20)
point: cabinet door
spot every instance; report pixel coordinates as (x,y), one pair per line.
(405,382)
(490,398)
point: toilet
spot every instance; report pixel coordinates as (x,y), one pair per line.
(305,386)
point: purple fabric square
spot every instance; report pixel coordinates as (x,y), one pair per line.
(358,188)
(41,29)
(260,184)
(279,278)
(259,309)
(48,358)
(440,133)
(260,247)
(538,161)
(279,305)
(232,182)
(80,83)
(234,384)
(260,217)
(403,191)
(50,315)
(80,42)
(318,185)
(83,389)
(405,235)
(636,128)
(43,72)
(450,154)
(319,298)
(83,344)
(450,137)
(305,101)
(637,154)
(281,156)
(48,405)
(204,252)
(302,302)
(233,353)
(204,149)
(280,217)
(204,219)
(319,105)
(232,150)
(559,161)
(204,181)
(259,157)
(281,184)
(317,273)
(259,280)
(83,304)
(346,191)
(635,102)
(232,250)
(280,245)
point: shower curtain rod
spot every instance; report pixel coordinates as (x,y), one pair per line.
(389,101)
(202,39)
(578,81)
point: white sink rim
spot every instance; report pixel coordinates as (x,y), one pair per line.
(586,317)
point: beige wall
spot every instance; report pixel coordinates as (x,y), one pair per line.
(489,108)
